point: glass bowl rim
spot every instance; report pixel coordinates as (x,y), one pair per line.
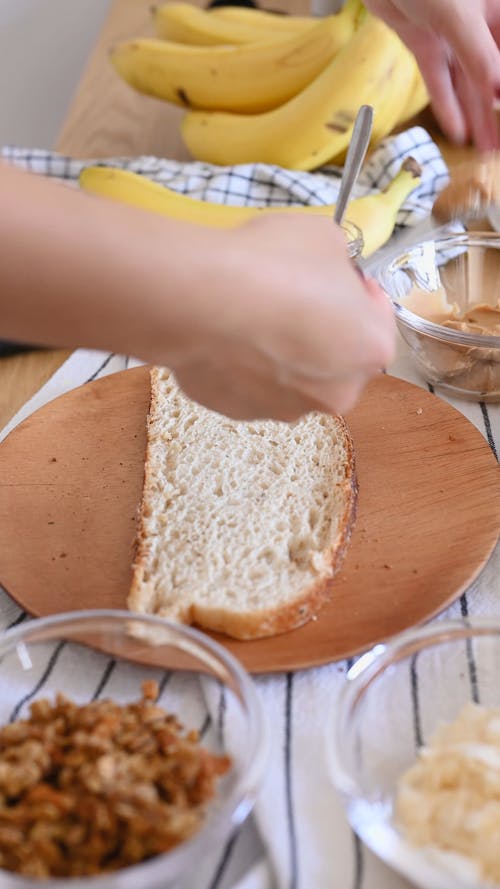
(430,328)
(372,664)
(354,237)
(231,811)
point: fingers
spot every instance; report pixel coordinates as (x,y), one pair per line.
(243,399)
(481,119)
(464,108)
(249,395)
(459,58)
(433,59)
(337,396)
(353,361)
(247,386)
(446,105)
(379,297)
(464,27)
(376,328)
(306,332)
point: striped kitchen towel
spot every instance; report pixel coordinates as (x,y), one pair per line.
(298,836)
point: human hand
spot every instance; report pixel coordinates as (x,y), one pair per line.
(292,326)
(456,45)
(267,320)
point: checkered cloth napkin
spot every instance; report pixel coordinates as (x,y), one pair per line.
(298,836)
(258,185)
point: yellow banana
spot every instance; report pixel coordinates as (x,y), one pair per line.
(396,93)
(245,79)
(260,18)
(418,98)
(393,101)
(314,126)
(185,23)
(374,214)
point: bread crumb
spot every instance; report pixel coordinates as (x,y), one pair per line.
(419,410)
(387,566)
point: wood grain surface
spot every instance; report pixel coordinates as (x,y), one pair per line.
(108,117)
(428,514)
(22,375)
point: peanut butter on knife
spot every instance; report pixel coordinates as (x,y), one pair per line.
(474,186)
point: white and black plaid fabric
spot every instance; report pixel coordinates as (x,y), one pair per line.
(298,837)
(259,185)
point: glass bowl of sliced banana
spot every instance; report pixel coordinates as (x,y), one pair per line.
(413,748)
(446,298)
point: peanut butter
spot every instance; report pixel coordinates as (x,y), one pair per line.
(473,369)
(480,318)
(473,187)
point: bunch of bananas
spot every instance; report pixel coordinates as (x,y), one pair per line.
(374,214)
(278,89)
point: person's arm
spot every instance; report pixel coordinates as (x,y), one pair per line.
(266,320)
(76,270)
(456,46)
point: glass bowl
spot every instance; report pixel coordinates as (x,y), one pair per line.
(354,237)
(450,276)
(394,698)
(108,654)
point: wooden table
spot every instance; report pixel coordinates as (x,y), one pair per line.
(107,118)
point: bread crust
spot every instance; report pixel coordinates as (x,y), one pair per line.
(135,599)
(251,624)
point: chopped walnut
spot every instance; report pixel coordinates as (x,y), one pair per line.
(90,789)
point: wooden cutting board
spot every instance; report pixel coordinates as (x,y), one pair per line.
(428,514)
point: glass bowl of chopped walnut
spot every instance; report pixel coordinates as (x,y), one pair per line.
(131,749)
(413,749)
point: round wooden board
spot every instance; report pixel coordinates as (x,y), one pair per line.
(428,514)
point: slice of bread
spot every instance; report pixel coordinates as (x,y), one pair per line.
(242,524)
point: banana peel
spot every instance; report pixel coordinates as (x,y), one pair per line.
(260,18)
(248,79)
(185,23)
(315,125)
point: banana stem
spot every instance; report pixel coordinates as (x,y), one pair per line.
(352,11)
(403,183)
